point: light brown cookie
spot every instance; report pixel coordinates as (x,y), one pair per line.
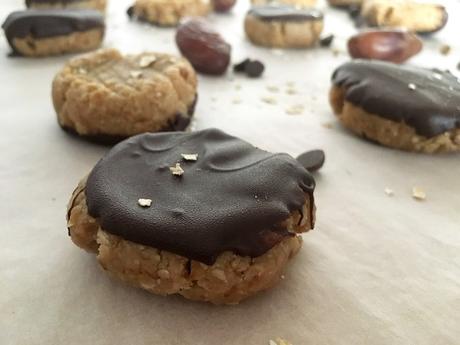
(283,26)
(197,236)
(398,106)
(168,12)
(303,3)
(105,96)
(99,5)
(411,15)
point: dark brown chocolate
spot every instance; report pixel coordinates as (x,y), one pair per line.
(232,198)
(427,100)
(286,13)
(312,160)
(50,23)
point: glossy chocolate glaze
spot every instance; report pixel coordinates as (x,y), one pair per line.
(50,23)
(180,123)
(232,198)
(284,13)
(427,100)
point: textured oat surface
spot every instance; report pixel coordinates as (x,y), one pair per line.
(231,279)
(279,34)
(111,94)
(170,12)
(389,133)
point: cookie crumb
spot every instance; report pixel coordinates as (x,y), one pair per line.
(237,87)
(389,191)
(418,193)
(236,100)
(269,100)
(335,52)
(327,125)
(146,61)
(445,49)
(273,88)
(291,91)
(144,202)
(190,156)
(295,109)
(277,52)
(177,170)
(135,74)
(412,86)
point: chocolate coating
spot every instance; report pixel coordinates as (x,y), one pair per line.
(233,198)
(50,23)
(427,100)
(284,13)
(53,2)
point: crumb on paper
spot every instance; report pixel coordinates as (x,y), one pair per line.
(327,125)
(190,156)
(273,88)
(236,100)
(237,86)
(177,170)
(389,191)
(296,109)
(269,100)
(291,91)
(213,99)
(135,74)
(445,49)
(277,52)
(146,61)
(335,51)
(144,202)
(418,193)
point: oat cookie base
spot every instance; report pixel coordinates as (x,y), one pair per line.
(170,12)
(389,133)
(231,279)
(88,4)
(73,43)
(105,93)
(303,3)
(279,34)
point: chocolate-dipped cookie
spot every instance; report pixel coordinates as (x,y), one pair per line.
(399,106)
(106,97)
(73,4)
(283,26)
(51,32)
(203,214)
(412,15)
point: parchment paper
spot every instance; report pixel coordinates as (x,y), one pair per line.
(377,269)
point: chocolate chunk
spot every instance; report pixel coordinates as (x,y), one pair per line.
(285,13)
(427,100)
(254,68)
(326,41)
(241,66)
(312,160)
(233,198)
(50,23)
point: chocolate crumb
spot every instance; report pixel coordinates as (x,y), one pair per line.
(254,68)
(241,67)
(312,160)
(326,41)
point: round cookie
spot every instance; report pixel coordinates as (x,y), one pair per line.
(203,214)
(168,12)
(106,97)
(408,14)
(399,106)
(303,3)
(283,26)
(99,5)
(37,33)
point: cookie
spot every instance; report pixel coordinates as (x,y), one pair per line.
(202,214)
(74,4)
(283,26)
(106,97)
(411,15)
(399,106)
(170,12)
(302,3)
(52,32)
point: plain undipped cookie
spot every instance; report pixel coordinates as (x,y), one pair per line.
(168,12)
(106,97)
(203,214)
(38,33)
(399,106)
(99,5)
(408,14)
(283,26)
